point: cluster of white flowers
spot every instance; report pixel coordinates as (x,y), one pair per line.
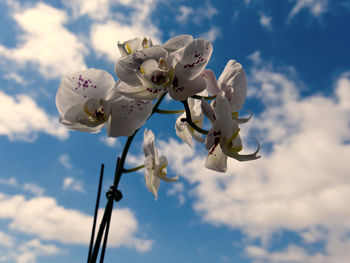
(90,99)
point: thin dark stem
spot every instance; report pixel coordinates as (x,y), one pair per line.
(96,211)
(106,217)
(188,119)
(133,169)
(169,111)
(200,97)
(105,239)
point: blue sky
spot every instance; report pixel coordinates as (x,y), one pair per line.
(290,206)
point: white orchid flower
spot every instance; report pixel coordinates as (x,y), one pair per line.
(87,100)
(188,66)
(183,130)
(155,165)
(128,66)
(133,45)
(233,82)
(154,78)
(148,73)
(223,138)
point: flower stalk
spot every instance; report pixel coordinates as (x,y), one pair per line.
(188,119)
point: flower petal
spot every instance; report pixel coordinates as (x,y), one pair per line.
(152,182)
(245,157)
(130,46)
(181,89)
(80,127)
(177,42)
(76,119)
(216,160)
(148,142)
(208,111)
(141,92)
(223,115)
(234,78)
(127,115)
(194,59)
(182,131)
(81,85)
(212,85)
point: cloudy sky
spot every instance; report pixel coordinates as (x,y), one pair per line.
(290,206)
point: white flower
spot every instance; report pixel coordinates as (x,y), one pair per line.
(232,81)
(87,100)
(155,165)
(184,130)
(223,139)
(175,66)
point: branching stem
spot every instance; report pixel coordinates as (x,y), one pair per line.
(197,97)
(188,119)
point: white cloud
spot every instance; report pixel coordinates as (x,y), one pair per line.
(109,141)
(12,181)
(315,7)
(70,183)
(212,34)
(291,254)
(64,159)
(197,15)
(6,240)
(177,190)
(15,77)
(27,187)
(27,251)
(45,42)
(265,21)
(33,189)
(301,184)
(97,9)
(43,218)
(183,14)
(22,119)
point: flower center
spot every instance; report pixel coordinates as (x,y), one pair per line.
(96,111)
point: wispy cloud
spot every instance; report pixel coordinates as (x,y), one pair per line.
(177,190)
(64,159)
(315,7)
(27,119)
(27,187)
(265,21)
(15,77)
(212,34)
(109,141)
(6,240)
(72,184)
(27,251)
(33,188)
(196,15)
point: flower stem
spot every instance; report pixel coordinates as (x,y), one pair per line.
(188,119)
(133,169)
(200,97)
(169,111)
